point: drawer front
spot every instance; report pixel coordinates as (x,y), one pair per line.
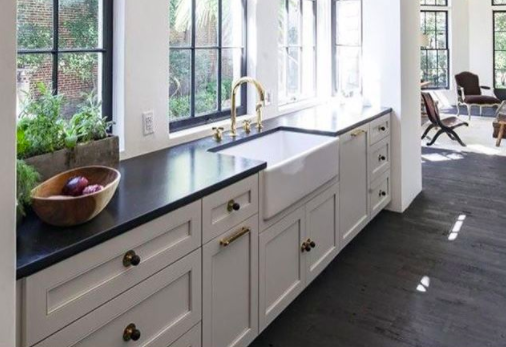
(379,159)
(380,129)
(69,290)
(230,287)
(191,339)
(161,309)
(380,194)
(218,214)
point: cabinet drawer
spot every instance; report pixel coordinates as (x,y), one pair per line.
(379,159)
(380,129)
(230,287)
(379,194)
(218,214)
(162,308)
(69,290)
(191,339)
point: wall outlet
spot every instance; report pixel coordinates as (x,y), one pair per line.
(148,125)
(268,97)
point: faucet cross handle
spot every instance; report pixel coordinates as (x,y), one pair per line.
(247,126)
(218,133)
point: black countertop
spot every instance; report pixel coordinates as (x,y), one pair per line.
(160,182)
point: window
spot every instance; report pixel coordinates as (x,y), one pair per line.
(500,49)
(207,53)
(347,46)
(67,45)
(498,2)
(435,56)
(297,50)
(438,2)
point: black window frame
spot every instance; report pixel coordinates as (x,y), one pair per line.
(106,50)
(207,118)
(447,49)
(423,3)
(495,4)
(335,45)
(301,46)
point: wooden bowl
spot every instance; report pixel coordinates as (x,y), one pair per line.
(64,211)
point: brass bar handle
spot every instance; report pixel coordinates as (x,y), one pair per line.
(226,242)
(357,133)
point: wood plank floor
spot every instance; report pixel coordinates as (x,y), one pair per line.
(403,282)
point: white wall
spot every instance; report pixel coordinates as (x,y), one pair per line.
(480,40)
(7,171)
(391,78)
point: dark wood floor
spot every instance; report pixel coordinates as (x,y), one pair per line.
(368,296)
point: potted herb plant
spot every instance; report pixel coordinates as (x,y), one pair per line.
(53,144)
(27,179)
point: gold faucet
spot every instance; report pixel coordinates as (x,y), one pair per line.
(259,106)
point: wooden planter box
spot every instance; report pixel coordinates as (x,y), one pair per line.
(103,152)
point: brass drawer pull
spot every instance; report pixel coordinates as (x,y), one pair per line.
(131,333)
(307,245)
(382,193)
(131,259)
(383,128)
(233,206)
(226,242)
(357,133)
(382,158)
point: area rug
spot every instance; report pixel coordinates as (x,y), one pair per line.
(477,137)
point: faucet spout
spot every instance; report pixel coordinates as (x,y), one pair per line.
(259,106)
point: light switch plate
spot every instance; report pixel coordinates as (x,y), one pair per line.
(268,98)
(148,125)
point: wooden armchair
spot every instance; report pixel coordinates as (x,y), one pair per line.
(469,93)
(445,126)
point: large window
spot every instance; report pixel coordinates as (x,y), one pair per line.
(435,57)
(66,44)
(347,46)
(500,49)
(498,2)
(437,2)
(207,53)
(297,50)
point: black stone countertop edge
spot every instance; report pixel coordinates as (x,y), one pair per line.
(39,246)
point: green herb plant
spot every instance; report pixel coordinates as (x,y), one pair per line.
(27,179)
(88,124)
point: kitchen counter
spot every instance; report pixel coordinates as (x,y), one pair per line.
(160,182)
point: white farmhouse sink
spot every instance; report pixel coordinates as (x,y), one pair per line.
(297,164)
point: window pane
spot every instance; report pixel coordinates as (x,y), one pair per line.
(308,72)
(348,26)
(206,82)
(35,24)
(207,23)
(282,59)
(180,84)
(32,69)
(231,70)
(282,23)
(309,25)
(232,26)
(294,21)
(78,23)
(78,77)
(180,16)
(348,70)
(293,72)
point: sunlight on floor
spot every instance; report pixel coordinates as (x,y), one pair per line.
(437,157)
(424,284)
(457,227)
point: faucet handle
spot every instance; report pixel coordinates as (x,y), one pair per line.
(218,133)
(247,126)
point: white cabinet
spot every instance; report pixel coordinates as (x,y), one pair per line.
(230,287)
(354,195)
(282,266)
(191,339)
(322,231)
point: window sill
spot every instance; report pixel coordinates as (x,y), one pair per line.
(298,105)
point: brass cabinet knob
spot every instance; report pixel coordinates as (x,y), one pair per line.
(131,259)
(383,128)
(306,246)
(131,333)
(233,206)
(312,244)
(382,193)
(382,158)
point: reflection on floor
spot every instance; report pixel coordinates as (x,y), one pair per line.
(477,137)
(434,276)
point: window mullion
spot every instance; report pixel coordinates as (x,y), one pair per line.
(193,45)
(56,15)
(220,42)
